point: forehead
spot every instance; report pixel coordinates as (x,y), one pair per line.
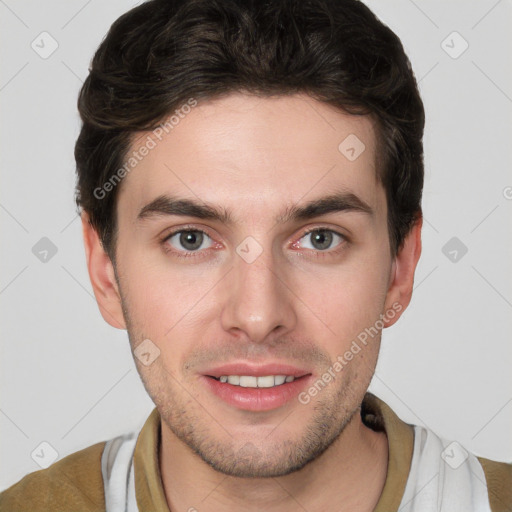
(253,155)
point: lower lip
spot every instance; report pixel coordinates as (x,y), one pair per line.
(257,399)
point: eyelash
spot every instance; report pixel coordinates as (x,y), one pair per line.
(316,253)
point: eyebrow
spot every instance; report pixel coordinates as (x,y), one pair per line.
(165,205)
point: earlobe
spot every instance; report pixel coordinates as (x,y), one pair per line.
(402,274)
(102,276)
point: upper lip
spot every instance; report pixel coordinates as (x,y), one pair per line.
(256,370)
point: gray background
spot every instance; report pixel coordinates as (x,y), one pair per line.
(68,378)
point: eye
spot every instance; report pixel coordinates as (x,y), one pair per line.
(322,239)
(192,240)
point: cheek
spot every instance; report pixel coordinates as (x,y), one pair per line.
(346,299)
(164,298)
(171,302)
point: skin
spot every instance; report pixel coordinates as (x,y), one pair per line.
(254,157)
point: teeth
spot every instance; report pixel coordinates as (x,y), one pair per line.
(249,381)
(266,382)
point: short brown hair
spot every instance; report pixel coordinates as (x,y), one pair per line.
(163,52)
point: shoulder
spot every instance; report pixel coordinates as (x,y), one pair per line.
(498,476)
(73,483)
(443,469)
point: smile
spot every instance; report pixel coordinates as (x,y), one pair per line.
(257,393)
(250,381)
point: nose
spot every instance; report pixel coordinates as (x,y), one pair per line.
(259,304)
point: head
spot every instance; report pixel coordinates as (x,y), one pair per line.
(245,125)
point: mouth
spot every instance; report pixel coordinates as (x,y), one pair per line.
(251,388)
(251,381)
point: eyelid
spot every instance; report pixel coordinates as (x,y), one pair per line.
(328,229)
(204,230)
(174,231)
(323,228)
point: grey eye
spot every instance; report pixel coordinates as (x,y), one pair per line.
(321,239)
(190,240)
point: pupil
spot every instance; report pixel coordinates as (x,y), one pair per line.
(191,240)
(324,239)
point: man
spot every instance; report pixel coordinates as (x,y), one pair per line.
(250,178)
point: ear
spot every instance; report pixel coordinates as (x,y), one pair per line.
(402,274)
(101,274)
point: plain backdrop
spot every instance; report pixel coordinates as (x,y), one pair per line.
(68,378)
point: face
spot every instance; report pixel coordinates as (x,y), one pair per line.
(279,266)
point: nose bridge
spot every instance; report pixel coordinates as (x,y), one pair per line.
(258,301)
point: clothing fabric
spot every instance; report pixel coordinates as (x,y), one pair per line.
(118,474)
(425,474)
(433,485)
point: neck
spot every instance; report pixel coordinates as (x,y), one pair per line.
(349,475)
